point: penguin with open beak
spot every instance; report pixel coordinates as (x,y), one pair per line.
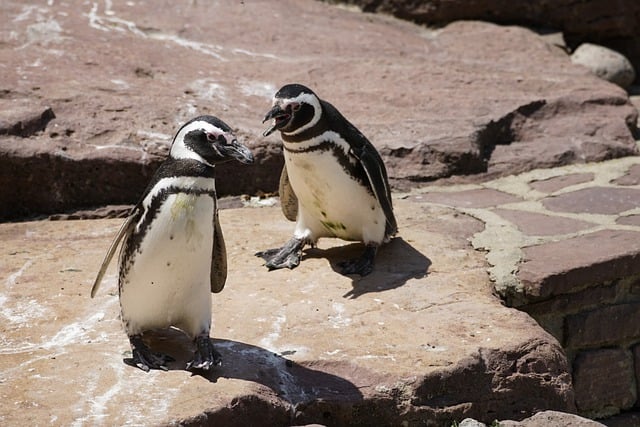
(333,184)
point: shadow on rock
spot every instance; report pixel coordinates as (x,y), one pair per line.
(395,264)
(290,381)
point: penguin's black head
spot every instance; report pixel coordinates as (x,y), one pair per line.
(208,140)
(295,108)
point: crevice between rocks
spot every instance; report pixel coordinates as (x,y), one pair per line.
(504,131)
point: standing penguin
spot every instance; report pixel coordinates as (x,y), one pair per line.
(173,254)
(333,184)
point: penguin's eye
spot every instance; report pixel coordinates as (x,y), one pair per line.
(211,137)
(295,106)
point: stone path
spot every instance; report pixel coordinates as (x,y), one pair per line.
(564,246)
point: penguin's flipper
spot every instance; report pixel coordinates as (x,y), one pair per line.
(288,198)
(218,258)
(377,174)
(125,230)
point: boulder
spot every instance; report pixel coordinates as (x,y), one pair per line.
(91,95)
(605,63)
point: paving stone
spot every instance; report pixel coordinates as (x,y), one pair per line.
(632,177)
(603,381)
(551,185)
(604,326)
(595,200)
(629,220)
(539,224)
(475,198)
(566,266)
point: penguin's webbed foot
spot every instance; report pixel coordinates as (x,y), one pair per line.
(362,265)
(205,356)
(144,358)
(287,256)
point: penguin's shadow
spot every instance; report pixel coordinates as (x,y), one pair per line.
(396,262)
(292,382)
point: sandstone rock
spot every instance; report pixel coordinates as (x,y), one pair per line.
(605,63)
(616,25)
(552,418)
(422,338)
(628,419)
(470,98)
(24,120)
(604,327)
(551,185)
(563,245)
(595,258)
(470,422)
(603,378)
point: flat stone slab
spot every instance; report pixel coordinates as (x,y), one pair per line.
(423,337)
(569,265)
(595,200)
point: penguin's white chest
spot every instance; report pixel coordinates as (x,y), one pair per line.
(332,203)
(168,283)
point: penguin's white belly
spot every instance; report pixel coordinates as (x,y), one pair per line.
(331,202)
(168,283)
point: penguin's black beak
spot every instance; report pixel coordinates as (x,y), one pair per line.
(237,151)
(280,118)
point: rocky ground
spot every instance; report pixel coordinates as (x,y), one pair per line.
(511,292)
(469,99)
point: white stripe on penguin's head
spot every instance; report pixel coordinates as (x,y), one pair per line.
(180,150)
(305,98)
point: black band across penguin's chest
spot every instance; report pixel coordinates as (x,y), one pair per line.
(151,212)
(349,164)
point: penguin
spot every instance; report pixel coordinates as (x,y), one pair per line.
(173,253)
(333,183)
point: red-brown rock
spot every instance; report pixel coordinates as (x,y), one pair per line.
(121,77)
(423,339)
(616,25)
(603,381)
(565,266)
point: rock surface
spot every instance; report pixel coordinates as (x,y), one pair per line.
(564,246)
(422,339)
(605,63)
(121,77)
(613,24)
(552,418)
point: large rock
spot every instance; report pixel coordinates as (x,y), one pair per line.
(423,340)
(120,77)
(605,63)
(614,24)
